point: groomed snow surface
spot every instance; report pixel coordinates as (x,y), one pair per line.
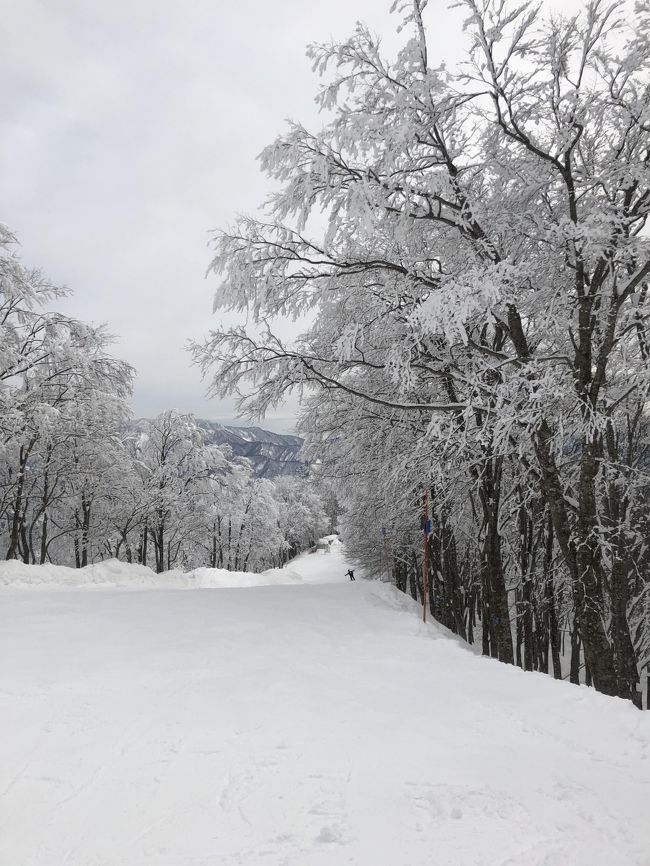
(314,724)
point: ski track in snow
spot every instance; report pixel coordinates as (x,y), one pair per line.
(307,725)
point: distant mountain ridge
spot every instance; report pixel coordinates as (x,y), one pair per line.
(271,454)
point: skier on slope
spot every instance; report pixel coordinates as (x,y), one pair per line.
(349,573)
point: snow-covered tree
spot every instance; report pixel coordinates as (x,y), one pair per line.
(80,482)
(479,290)
(177,467)
(63,396)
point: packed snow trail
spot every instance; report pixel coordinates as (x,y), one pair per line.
(302,725)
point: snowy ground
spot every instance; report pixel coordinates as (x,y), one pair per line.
(297,725)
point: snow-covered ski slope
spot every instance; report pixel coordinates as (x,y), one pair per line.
(319,724)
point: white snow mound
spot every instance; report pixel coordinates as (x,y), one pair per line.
(115,574)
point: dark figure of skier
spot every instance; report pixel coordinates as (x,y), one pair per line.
(349,573)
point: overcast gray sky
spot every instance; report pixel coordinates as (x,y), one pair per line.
(129,129)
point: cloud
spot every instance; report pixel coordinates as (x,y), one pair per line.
(129,129)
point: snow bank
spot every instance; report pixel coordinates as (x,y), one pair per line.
(114,574)
(321,566)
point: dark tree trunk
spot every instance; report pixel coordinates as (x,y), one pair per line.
(453,582)
(624,656)
(399,570)
(587,591)
(617,506)
(44,531)
(496,606)
(14,536)
(471,615)
(551,607)
(86,507)
(485,618)
(158,537)
(144,543)
(213,549)
(580,555)
(574,671)
(25,548)
(413,577)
